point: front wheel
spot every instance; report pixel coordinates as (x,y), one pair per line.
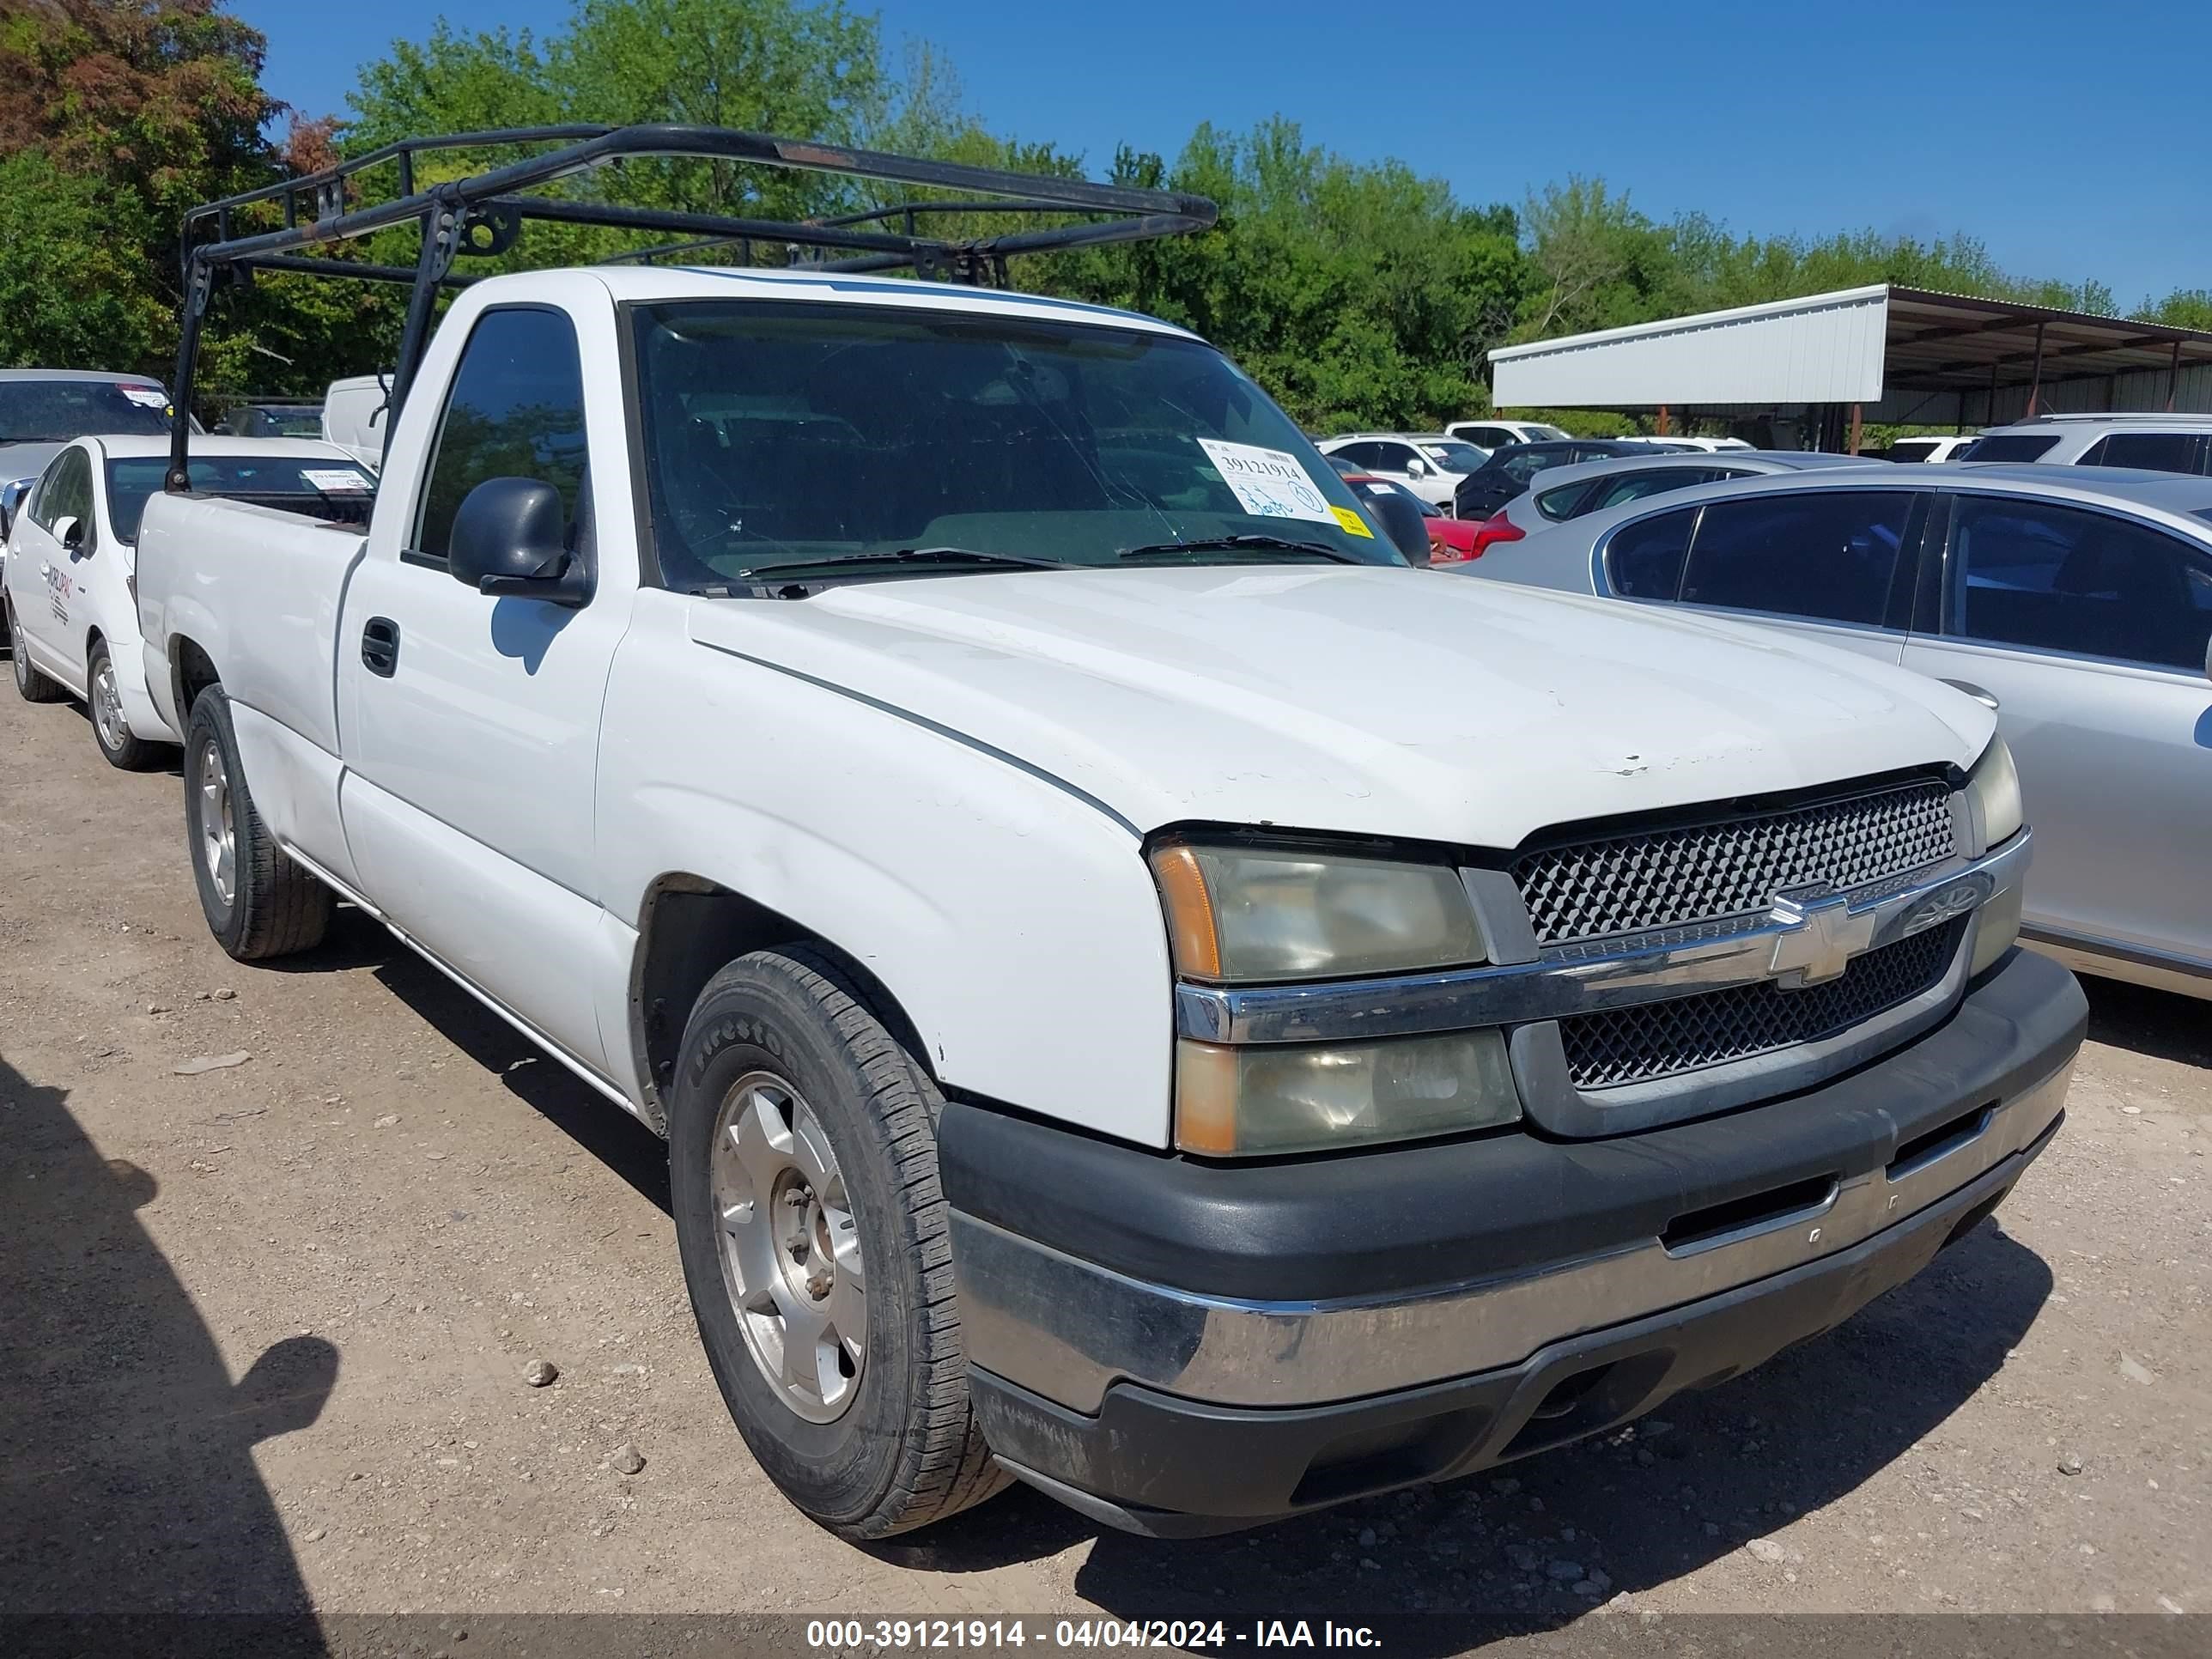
(257,902)
(110,730)
(30,685)
(803,1168)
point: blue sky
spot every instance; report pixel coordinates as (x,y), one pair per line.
(2070,139)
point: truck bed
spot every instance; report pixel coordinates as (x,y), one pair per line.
(258,592)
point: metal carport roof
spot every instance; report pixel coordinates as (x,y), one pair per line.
(1903,354)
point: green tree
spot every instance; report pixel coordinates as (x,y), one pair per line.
(116,117)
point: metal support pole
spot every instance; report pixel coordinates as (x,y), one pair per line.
(2035,385)
(1857,428)
(199,278)
(442,230)
(2173,376)
(1664,425)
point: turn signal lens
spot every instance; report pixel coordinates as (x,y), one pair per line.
(1993,796)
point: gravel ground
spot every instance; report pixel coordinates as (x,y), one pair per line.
(264,1331)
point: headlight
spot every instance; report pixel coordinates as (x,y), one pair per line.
(1993,797)
(1241,1102)
(1256,914)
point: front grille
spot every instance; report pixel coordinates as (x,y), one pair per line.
(1630,884)
(1656,1040)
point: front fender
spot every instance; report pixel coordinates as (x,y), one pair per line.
(1015,922)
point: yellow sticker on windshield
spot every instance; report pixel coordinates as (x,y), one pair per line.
(1351,523)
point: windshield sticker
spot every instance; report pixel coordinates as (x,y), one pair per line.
(1268,483)
(147,396)
(334,480)
(1351,523)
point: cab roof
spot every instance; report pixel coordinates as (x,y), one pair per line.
(652,285)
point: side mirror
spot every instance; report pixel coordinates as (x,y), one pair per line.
(1416,468)
(510,537)
(11,502)
(69,531)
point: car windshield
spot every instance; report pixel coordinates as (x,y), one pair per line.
(55,411)
(1540,434)
(276,421)
(1454,457)
(324,487)
(787,437)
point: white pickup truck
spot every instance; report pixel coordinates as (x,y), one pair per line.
(1144,992)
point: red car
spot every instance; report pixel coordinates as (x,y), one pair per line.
(1421,531)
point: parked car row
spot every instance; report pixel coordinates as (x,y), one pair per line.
(2077,604)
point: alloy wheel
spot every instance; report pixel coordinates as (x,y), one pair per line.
(790,1250)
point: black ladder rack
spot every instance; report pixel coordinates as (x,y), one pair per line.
(484,214)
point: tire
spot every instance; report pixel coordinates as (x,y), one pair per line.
(30,685)
(273,906)
(898,1448)
(111,733)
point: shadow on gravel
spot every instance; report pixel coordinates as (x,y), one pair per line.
(2162,1025)
(127,1480)
(1642,1507)
(588,1117)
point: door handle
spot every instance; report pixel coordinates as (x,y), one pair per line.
(379,646)
(1987,699)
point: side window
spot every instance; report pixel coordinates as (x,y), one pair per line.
(2153,451)
(2051,578)
(1565,503)
(1395,457)
(67,494)
(515,409)
(1829,555)
(1521,468)
(42,498)
(1360,455)
(1644,561)
(1656,481)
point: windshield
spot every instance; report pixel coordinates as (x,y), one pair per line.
(1454,457)
(783,436)
(55,411)
(276,421)
(323,488)
(1541,434)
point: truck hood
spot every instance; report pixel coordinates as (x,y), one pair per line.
(1361,701)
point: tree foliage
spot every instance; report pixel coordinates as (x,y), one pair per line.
(1359,294)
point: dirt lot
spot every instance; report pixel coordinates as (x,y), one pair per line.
(264,1328)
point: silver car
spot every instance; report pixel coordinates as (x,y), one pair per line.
(2077,604)
(43,409)
(2153,443)
(1560,493)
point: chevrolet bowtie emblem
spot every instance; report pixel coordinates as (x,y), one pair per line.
(1818,941)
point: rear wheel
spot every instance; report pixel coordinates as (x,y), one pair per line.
(257,902)
(30,685)
(803,1164)
(110,730)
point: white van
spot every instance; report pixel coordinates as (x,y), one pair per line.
(353,417)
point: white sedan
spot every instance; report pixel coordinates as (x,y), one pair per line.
(70,585)
(1427,463)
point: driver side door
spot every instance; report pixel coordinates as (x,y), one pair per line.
(470,723)
(48,581)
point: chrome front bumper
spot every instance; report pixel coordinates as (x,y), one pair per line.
(1067,1329)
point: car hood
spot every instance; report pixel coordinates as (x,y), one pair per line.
(26,460)
(1360,701)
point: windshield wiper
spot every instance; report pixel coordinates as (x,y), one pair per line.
(905,555)
(1231,543)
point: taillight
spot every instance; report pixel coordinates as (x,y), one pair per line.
(1493,532)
